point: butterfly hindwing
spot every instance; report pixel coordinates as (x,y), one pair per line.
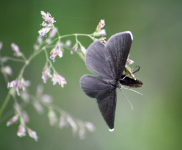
(94,86)
(97,87)
(107,107)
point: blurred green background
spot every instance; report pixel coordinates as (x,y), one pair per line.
(155,122)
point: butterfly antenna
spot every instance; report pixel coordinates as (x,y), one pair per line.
(132,90)
(126,98)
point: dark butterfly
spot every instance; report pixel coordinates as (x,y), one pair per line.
(108,61)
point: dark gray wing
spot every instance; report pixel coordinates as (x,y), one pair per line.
(117,50)
(96,87)
(95,59)
(107,106)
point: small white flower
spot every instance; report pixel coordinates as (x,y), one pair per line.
(100,25)
(58,79)
(33,134)
(44,31)
(47,17)
(21,130)
(46,74)
(100,33)
(12,120)
(12,84)
(19,85)
(56,51)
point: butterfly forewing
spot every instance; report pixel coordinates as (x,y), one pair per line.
(117,50)
(95,59)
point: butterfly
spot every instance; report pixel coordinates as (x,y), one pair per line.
(108,61)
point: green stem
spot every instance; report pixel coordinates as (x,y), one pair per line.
(27,62)
(5,103)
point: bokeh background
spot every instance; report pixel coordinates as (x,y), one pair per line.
(155,122)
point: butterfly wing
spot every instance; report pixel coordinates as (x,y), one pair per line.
(117,50)
(97,87)
(95,59)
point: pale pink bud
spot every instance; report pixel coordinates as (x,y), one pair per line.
(32,134)
(36,47)
(44,24)
(82,132)
(47,98)
(130,61)
(75,47)
(39,39)
(83,50)
(16,49)
(25,117)
(12,120)
(38,106)
(73,124)
(1,45)
(90,127)
(40,90)
(25,96)
(58,79)
(102,39)
(53,32)
(46,74)
(63,122)
(68,43)
(52,117)
(22,130)
(7,70)
(100,25)
(48,40)
(43,14)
